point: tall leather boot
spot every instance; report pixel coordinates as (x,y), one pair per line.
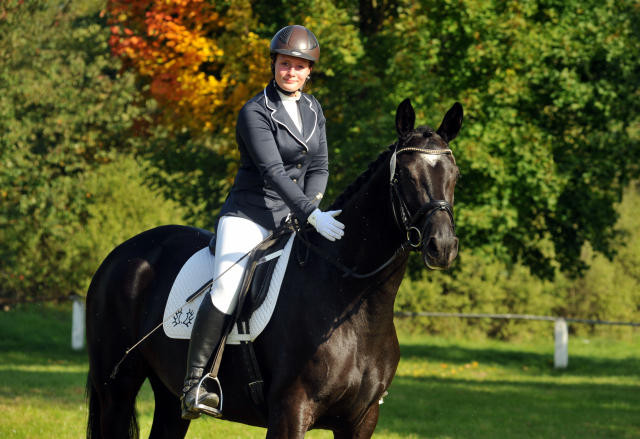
(205,336)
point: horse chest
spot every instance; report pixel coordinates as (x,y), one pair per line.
(353,375)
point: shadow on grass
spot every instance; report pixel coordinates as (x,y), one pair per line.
(38,334)
(63,387)
(439,408)
(579,365)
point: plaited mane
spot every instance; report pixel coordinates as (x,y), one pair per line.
(354,187)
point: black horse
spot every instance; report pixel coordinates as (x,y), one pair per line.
(330,350)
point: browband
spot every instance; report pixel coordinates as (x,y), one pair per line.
(392,162)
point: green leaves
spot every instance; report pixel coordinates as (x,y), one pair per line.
(64,111)
(550,93)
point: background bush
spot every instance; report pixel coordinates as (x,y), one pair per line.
(609,290)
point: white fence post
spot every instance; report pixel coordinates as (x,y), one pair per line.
(77,329)
(561,336)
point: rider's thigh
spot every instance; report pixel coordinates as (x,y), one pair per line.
(235,237)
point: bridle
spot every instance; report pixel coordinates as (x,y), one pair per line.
(409,221)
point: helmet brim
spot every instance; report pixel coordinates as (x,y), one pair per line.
(295,53)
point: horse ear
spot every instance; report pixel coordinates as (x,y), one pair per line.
(451,123)
(405,118)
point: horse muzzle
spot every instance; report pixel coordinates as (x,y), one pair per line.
(439,250)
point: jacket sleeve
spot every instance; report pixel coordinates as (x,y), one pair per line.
(318,171)
(255,131)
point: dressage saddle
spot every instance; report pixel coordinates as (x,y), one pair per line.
(257,276)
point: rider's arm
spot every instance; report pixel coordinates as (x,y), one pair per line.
(318,171)
(255,130)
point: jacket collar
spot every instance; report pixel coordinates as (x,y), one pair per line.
(279,114)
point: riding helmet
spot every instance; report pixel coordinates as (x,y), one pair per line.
(296,41)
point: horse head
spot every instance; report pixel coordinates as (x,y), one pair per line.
(423,179)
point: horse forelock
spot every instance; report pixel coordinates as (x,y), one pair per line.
(424,131)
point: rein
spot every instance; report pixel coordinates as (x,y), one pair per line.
(409,221)
(301,234)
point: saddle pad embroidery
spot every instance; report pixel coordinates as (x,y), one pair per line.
(197,271)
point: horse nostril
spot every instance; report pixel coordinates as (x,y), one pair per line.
(454,250)
(432,248)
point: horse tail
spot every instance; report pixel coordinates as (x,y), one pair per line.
(93,406)
(134,427)
(94,429)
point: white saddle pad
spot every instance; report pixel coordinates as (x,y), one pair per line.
(197,271)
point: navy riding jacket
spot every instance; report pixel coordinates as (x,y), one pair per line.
(282,169)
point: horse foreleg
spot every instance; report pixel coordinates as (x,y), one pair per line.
(167,419)
(289,418)
(365,429)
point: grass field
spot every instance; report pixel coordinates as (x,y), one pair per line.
(443,389)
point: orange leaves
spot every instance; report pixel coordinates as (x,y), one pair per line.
(180,47)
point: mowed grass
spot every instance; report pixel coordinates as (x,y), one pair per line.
(443,388)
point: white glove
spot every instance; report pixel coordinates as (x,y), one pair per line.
(326,225)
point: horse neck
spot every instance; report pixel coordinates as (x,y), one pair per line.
(371,239)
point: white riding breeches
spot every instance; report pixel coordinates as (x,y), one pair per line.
(235,237)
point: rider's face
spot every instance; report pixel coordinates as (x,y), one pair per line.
(291,71)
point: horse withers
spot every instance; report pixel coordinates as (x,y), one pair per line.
(330,350)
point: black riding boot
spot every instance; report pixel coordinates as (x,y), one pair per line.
(205,337)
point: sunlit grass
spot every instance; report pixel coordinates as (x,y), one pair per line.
(443,388)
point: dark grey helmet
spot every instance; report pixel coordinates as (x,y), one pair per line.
(296,41)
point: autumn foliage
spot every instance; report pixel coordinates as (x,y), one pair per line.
(200,63)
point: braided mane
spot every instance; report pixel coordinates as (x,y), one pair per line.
(354,187)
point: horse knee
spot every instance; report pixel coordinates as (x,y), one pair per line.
(290,421)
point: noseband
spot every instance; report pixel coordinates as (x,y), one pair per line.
(409,221)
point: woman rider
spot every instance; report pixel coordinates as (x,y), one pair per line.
(284,169)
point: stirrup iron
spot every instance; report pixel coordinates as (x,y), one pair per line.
(201,408)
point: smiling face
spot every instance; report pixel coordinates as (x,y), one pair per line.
(291,72)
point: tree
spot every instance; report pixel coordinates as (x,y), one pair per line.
(198,58)
(65,109)
(549,89)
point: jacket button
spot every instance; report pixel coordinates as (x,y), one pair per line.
(304,152)
(295,181)
(298,166)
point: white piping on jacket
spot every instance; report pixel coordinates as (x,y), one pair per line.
(316,122)
(266,100)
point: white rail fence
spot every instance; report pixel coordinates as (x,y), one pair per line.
(560,332)
(77,323)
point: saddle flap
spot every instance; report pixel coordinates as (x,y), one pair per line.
(264,260)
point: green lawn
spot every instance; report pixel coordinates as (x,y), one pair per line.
(443,389)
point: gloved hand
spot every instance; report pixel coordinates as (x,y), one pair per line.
(326,225)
